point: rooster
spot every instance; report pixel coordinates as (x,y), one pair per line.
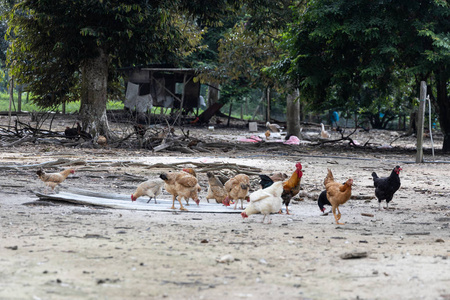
(291,187)
(337,194)
(386,187)
(53,179)
(265,201)
(151,188)
(237,188)
(182,185)
(216,190)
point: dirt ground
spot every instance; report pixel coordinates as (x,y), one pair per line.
(54,250)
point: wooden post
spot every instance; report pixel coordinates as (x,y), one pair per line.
(11,99)
(268,105)
(423,95)
(19,98)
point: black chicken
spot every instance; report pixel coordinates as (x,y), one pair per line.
(71,133)
(323,200)
(386,187)
(84,134)
(265,181)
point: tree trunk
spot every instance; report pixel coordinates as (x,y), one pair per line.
(293,114)
(444,110)
(213,93)
(94,95)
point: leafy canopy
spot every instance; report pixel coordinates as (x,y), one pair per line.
(336,49)
(51,39)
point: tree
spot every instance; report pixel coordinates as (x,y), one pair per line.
(249,47)
(337,48)
(55,43)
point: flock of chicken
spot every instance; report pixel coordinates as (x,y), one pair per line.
(275,190)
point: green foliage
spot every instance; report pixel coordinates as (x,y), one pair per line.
(336,51)
(50,40)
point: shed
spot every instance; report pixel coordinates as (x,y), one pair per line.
(161,87)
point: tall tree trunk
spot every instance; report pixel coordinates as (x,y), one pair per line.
(293,114)
(213,93)
(444,110)
(94,95)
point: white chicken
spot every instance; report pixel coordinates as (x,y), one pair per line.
(323,133)
(151,188)
(273,127)
(265,201)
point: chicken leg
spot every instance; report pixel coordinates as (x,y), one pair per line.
(236,203)
(338,216)
(287,210)
(179,200)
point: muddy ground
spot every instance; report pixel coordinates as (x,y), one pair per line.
(54,250)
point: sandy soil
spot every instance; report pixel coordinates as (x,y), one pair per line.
(64,251)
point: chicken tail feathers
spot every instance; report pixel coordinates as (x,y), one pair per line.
(329,178)
(323,200)
(266,181)
(40,172)
(374,175)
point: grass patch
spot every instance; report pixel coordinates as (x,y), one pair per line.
(71,107)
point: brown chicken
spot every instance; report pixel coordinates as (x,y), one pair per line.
(237,188)
(192,172)
(278,176)
(216,190)
(53,179)
(151,188)
(102,141)
(337,194)
(181,185)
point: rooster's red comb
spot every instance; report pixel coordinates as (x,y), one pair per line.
(298,166)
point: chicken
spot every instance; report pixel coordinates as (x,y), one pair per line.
(322,201)
(237,188)
(85,135)
(181,185)
(102,141)
(267,181)
(53,179)
(216,190)
(337,194)
(267,134)
(291,187)
(323,133)
(192,172)
(273,127)
(279,176)
(71,133)
(265,201)
(386,187)
(151,188)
